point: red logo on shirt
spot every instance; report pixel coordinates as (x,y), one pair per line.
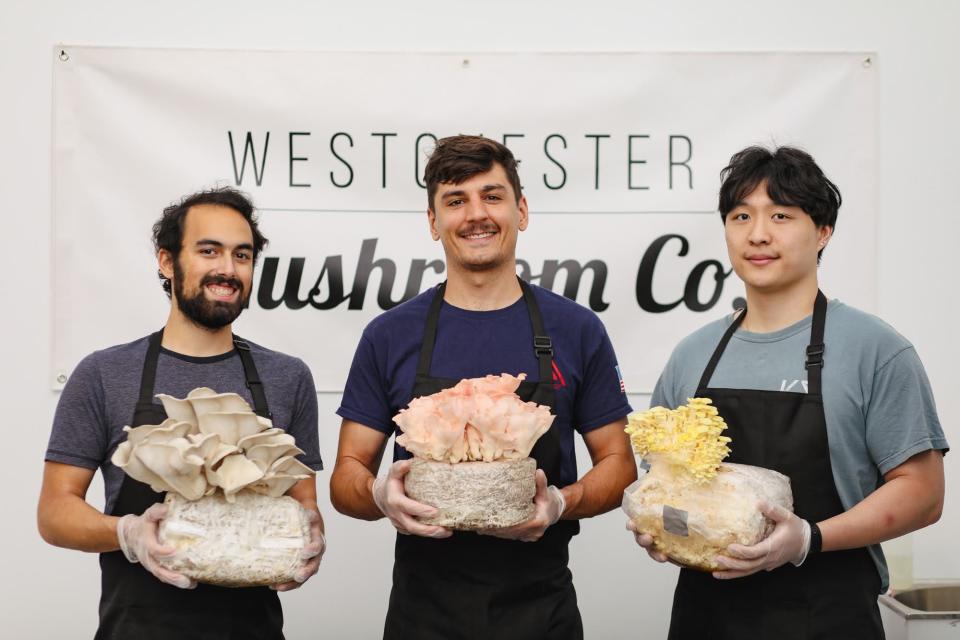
(558,380)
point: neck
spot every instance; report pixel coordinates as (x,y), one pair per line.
(186,337)
(777,309)
(483,290)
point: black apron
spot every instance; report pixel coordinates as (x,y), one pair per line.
(136,605)
(832,595)
(470,586)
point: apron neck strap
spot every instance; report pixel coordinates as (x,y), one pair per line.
(815,350)
(253,378)
(542,345)
(430,331)
(721,347)
(149,375)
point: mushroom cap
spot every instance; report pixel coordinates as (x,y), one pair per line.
(231,426)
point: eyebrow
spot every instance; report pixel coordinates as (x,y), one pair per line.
(216,243)
(487,188)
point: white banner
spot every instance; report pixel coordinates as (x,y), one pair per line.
(620,159)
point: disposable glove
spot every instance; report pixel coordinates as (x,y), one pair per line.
(312,553)
(138,540)
(645,540)
(549,505)
(391,498)
(788,542)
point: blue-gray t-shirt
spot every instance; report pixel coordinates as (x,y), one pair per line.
(470,344)
(878,404)
(99,400)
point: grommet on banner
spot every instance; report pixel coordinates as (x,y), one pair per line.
(867,62)
(61,378)
(64,56)
(465,63)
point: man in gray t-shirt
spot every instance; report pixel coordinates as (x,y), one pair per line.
(829,395)
(207,245)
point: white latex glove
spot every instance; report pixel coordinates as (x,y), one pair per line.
(391,498)
(312,553)
(549,505)
(645,540)
(788,542)
(139,543)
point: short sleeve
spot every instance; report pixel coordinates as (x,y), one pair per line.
(601,398)
(80,433)
(901,416)
(304,424)
(365,397)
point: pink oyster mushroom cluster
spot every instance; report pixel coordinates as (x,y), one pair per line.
(479,419)
(211,441)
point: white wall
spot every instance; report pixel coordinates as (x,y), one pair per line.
(48,593)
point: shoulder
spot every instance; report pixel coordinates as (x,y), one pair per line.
(702,341)
(863,332)
(400,318)
(564,310)
(115,357)
(268,358)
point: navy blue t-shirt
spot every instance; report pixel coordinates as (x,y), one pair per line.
(472,344)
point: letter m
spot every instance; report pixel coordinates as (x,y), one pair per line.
(248,148)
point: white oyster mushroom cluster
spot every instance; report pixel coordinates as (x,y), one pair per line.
(211,441)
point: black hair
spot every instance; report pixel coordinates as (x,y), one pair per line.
(792,178)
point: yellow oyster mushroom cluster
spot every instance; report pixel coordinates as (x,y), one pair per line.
(687,437)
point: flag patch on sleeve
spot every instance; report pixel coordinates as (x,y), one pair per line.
(623,386)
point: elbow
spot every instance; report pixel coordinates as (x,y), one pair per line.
(935,511)
(46,528)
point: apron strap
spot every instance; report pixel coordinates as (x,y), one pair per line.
(542,345)
(816,348)
(149,375)
(430,331)
(260,406)
(715,358)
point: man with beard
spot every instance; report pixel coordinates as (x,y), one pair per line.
(206,246)
(513,582)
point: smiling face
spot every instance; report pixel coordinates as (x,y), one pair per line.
(773,248)
(478,221)
(213,275)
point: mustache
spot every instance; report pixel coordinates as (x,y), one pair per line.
(230,282)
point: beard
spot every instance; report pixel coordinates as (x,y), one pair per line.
(209,314)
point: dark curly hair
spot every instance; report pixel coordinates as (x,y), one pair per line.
(168,230)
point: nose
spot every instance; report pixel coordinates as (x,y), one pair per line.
(475,210)
(759,231)
(226,265)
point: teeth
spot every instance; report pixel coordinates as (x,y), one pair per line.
(221,291)
(485,234)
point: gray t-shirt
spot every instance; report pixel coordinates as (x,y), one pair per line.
(99,400)
(878,404)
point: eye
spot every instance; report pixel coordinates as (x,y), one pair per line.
(243,255)
(493,196)
(208,251)
(454,203)
(780,216)
(740,217)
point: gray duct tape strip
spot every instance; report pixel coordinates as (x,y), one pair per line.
(675,521)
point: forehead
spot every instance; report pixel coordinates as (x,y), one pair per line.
(496,175)
(216,222)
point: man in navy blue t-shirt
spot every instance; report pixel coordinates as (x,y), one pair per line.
(510,582)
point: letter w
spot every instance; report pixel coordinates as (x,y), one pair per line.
(248,147)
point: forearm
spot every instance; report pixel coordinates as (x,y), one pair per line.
(351,490)
(70,522)
(601,489)
(901,505)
